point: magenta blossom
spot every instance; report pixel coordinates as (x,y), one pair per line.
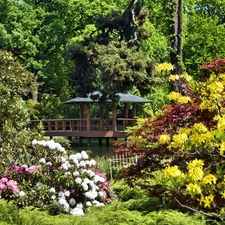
(12,186)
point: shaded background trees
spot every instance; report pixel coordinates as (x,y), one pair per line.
(39,34)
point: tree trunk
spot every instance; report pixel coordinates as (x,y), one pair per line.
(176,43)
(35,93)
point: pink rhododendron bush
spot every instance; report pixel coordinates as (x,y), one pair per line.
(56,180)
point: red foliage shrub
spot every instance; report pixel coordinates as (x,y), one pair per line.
(216,65)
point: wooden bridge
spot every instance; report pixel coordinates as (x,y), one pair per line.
(93,128)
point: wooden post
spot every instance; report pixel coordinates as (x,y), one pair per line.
(101,117)
(80,123)
(125,109)
(88,116)
(114,116)
(134,112)
(107,117)
(100,141)
(125,112)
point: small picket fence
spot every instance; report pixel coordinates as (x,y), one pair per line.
(118,161)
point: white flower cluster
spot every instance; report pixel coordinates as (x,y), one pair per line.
(51,144)
(85,179)
(85,190)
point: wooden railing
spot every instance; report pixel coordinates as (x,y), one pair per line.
(95,124)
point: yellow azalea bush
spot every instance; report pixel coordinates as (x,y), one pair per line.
(199,185)
(203,179)
(186,143)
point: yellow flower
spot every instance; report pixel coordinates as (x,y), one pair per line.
(222,76)
(207,200)
(196,173)
(222,211)
(200,127)
(186,77)
(209,179)
(178,140)
(172,171)
(221,123)
(184,99)
(174,77)
(193,189)
(216,87)
(164,138)
(195,163)
(185,130)
(212,77)
(203,105)
(222,148)
(164,67)
(208,136)
(176,96)
(195,169)
(223,194)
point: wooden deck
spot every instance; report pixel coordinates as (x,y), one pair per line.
(94,128)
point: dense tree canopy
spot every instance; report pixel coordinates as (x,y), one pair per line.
(39,34)
(111,59)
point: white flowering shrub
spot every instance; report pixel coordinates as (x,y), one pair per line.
(70,182)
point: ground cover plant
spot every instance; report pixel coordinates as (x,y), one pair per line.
(114,213)
(185,144)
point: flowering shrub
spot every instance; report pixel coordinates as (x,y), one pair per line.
(187,144)
(8,187)
(70,182)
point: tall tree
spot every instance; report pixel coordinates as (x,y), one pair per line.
(111,59)
(176,57)
(37,32)
(205,29)
(175,9)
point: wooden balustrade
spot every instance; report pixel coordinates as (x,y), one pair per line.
(81,127)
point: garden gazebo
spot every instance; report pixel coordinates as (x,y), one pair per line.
(108,124)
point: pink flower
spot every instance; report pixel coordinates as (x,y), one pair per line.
(24,167)
(2,186)
(12,186)
(4,180)
(33,168)
(108,200)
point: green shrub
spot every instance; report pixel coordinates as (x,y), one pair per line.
(56,180)
(113,214)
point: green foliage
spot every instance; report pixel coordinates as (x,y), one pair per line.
(109,215)
(15,82)
(49,106)
(54,179)
(111,63)
(104,165)
(205,27)
(186,142)
(159,97)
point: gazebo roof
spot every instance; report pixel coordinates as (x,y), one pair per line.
(123,98)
